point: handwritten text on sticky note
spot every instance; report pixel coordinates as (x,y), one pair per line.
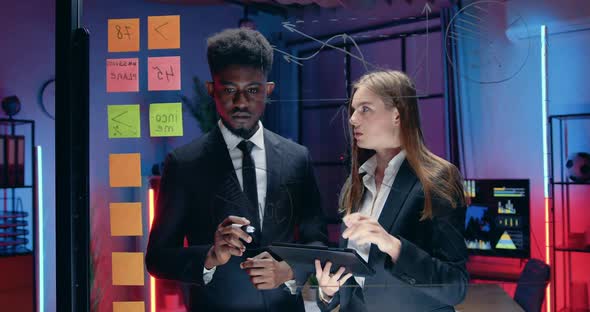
(166,119)
(124,121)
(164,73)
(123,35)
(164,32)
(122,75)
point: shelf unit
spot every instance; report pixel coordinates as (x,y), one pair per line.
(17,199)
(562,249)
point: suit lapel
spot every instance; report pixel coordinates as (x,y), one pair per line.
(403,183)
(226,185)
(274,166)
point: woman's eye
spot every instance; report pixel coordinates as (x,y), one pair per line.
(364,109)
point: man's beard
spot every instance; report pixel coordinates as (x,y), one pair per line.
(242,132)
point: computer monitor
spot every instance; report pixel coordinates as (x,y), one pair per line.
(497,220)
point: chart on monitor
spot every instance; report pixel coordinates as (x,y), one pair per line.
(497,218)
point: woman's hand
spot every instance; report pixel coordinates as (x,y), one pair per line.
(363,230)
(329,283)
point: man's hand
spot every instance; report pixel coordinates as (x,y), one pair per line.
(227,242)
(266,272)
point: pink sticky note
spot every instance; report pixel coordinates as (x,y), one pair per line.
(122,75)
(164,73)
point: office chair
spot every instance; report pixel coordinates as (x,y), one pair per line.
(530,290)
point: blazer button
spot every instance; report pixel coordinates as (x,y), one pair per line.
(411,281)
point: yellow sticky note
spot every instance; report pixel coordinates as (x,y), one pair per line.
(127,269)
(124,121)
(166,119)
(128,306)
(126,219)
(164,32)
(123,35)
(125,170)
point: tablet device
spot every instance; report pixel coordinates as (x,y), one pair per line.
(303,257)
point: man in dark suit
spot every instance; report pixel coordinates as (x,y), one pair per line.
(238,174)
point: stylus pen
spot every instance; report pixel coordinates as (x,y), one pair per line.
(246,228)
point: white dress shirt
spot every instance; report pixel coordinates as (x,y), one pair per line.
(373,202)
(258,154)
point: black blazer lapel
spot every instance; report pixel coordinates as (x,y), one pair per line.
(226,186)
(274,170)
(403,183)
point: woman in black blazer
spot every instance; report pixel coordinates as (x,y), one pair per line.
(404,209)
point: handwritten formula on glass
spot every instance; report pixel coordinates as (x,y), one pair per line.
(164,73)
(123,35)
(166,119)
(122,75)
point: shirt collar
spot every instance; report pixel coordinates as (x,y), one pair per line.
(393,166)
(232,140)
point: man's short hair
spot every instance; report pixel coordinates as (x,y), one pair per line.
(239,46)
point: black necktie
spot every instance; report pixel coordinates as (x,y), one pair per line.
(249,178)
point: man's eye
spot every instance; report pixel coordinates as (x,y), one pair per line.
(229,90)
(364,109)
(253,90)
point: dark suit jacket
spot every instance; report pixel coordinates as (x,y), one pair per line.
(199,189)
(430,273)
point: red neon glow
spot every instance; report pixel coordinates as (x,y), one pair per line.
(547,252)
(152,279)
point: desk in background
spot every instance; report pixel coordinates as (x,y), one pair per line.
(487,298)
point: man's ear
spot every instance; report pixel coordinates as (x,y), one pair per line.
(210,88)
(270,86)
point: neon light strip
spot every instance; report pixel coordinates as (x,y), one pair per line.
(152,279)
(40,229)
(544,104)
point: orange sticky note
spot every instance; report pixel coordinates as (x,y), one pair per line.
(126,219)
(164,32)
(164,73)
(125,170)
(128,306)
(123,75)
(123,35)
(127,268)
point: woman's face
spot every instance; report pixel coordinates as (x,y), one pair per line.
(374,126)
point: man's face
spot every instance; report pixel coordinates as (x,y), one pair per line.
(240,93)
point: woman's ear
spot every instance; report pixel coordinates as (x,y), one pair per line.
(396,117)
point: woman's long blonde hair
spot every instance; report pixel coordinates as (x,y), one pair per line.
(439,178)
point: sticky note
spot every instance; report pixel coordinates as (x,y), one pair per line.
(124,121)
(123,35)
(128,306)
(127,268)
(164,73)
(123,75)
(165,119)
(164,32)
(126,219)
(125,170)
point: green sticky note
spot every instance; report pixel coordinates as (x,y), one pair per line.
(124,121)
(165,119)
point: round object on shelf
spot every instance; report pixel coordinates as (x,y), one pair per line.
(11,105)
(578,167)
